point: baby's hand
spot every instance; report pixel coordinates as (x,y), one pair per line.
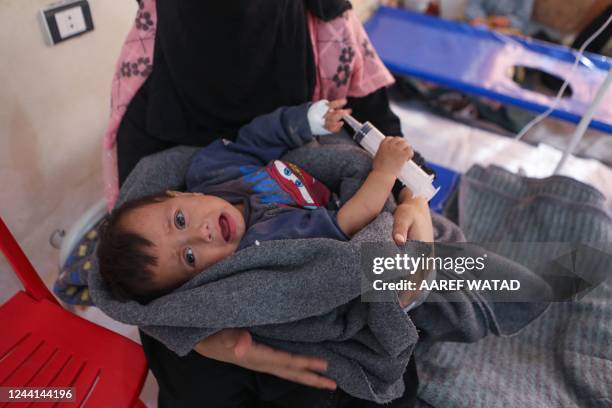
(333,117)
(391,156)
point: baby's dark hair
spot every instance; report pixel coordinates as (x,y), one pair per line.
(124,258)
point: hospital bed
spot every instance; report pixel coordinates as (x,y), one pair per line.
(481,62)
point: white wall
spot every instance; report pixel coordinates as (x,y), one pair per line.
(54,104)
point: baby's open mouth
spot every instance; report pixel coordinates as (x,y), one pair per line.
(226,228)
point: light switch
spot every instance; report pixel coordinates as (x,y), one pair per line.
(65,19)
(70,22)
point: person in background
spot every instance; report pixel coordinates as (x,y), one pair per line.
(500,14)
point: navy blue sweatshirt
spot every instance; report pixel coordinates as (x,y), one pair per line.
(282,201)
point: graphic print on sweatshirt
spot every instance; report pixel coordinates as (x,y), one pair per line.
(305,190)
(285,183)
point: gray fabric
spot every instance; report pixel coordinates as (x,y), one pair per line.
(497,205)
(564,359)
(158,172)
(303,295)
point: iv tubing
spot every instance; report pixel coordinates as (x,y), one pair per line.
(552,107)
(584,122)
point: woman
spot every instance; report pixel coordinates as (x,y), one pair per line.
(216,66)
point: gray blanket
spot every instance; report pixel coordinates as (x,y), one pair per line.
(304,295)
(564,359)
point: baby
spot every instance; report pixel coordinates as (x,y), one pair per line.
(240,194)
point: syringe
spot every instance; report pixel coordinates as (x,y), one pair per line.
(412,176)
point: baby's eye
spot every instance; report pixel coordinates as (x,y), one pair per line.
(179,220)
(189,257)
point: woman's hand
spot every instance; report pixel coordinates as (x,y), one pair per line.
(412,219)
(236,346)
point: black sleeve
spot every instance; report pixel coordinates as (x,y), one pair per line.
(375,108)
(133,140)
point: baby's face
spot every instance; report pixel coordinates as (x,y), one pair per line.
(190,232)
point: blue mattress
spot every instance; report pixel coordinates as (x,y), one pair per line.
(480,61)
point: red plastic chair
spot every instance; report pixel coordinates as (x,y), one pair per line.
(44,345)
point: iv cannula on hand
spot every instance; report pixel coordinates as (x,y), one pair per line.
(412,176)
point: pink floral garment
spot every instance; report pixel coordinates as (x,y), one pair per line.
(347,65)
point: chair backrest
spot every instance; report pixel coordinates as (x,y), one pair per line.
(22,267)
(45,345)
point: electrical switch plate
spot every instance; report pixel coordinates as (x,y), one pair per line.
(66,19)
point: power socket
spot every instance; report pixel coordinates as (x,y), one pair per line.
(65,19)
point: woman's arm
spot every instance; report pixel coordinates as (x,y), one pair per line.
(375,108)
(236,346)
